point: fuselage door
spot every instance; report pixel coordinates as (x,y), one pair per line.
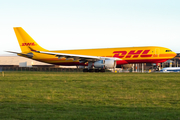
(157,51)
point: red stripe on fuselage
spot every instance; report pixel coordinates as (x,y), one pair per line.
(147,61)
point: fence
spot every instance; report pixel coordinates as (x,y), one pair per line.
(41,69)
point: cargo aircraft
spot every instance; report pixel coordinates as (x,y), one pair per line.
(95,59)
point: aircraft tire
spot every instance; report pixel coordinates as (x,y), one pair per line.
(102,70)
(91,70)
(85,70)
(96,70)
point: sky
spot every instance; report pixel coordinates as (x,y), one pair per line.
(86,24)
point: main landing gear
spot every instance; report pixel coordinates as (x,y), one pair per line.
(93,70)
(157,68)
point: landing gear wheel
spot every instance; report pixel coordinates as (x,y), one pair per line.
(102,70)
(157,68)
(91,70)
(85,70)
(96,70)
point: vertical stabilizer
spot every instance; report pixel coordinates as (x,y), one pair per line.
(26,41)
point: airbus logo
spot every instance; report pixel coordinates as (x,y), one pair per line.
(28,44)
(132,54)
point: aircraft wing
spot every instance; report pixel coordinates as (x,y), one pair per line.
(28,55)
(83,58)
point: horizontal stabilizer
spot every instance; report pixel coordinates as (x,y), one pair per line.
(27,55)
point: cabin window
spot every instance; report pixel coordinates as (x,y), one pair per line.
(168,50)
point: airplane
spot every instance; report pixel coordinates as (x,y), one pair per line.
(170,69)
(94,59)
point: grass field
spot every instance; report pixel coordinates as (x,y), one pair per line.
(91,96)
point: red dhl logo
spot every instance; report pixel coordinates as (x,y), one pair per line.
(28,44)
(132,54)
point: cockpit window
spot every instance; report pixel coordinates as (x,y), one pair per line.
(168,50)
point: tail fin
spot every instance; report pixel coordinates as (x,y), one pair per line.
(25,41)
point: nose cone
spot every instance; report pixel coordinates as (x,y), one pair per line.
(174,54)
(169,55)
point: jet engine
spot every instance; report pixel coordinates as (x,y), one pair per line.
(105,64)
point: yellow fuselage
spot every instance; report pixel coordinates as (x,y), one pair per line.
(126,54)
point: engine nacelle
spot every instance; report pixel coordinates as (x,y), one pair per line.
(105,64)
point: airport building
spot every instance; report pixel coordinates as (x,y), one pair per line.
(17,63)
(20,62)
(175,61)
